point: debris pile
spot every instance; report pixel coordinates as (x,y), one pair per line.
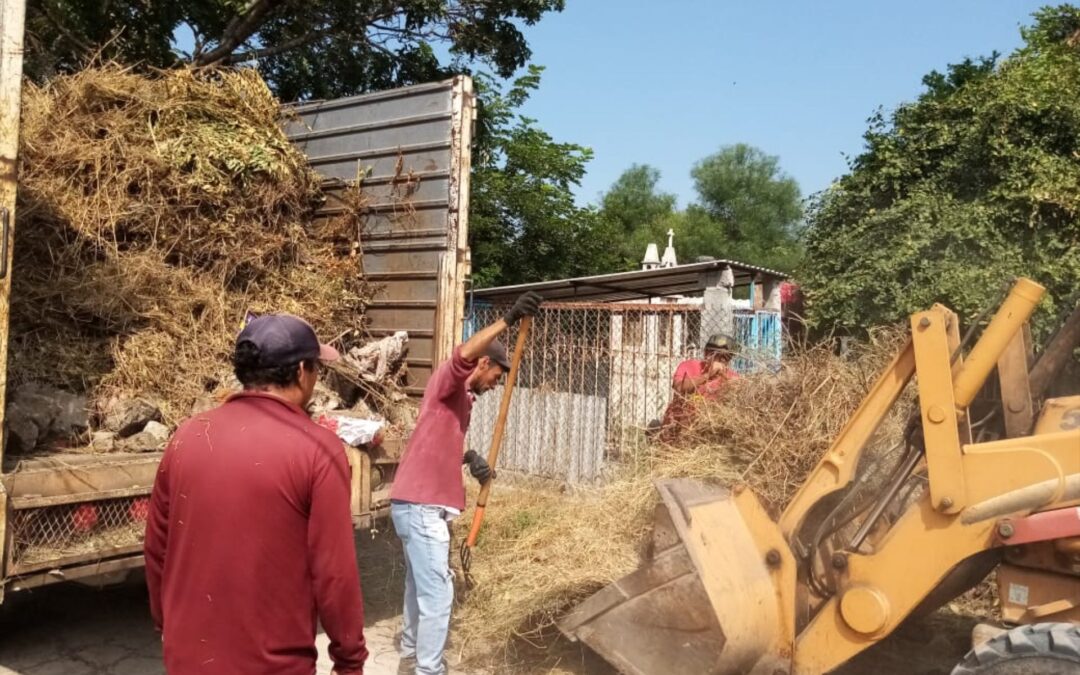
(154,212)
(363,385)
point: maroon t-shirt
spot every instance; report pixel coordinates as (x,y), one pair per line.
(430,469)
(250,543)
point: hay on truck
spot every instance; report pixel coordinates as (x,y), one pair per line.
(155,211)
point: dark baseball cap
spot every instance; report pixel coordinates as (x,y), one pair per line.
(496,351)
(284,339)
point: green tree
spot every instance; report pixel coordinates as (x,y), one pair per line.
(633,199)
(524,224)
(975,182)
(747,209)
(755,206)
(305,48)
(638,212)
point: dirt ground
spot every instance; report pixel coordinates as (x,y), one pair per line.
(75,630)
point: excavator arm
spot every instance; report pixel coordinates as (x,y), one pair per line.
(730,591)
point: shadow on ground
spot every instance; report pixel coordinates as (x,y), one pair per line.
(74,630)
(932,645)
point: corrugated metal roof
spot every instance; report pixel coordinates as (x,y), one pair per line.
(689,279)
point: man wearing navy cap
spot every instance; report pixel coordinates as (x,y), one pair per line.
(428,490)
(249,542)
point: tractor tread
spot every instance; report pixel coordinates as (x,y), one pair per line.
(1056,642)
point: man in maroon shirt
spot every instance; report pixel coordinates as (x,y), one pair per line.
(249,542)
(428,490)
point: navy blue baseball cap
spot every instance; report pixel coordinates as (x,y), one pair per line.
(284,340)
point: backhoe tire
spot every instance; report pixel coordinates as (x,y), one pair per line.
(1038,649)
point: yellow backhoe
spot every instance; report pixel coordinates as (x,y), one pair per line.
(728,589)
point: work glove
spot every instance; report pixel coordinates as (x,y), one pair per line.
(526,305)
(478,467)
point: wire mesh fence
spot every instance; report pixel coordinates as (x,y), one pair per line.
(49,536)
(596,378)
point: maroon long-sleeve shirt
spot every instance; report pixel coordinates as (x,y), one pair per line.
(249,544)
(430,469)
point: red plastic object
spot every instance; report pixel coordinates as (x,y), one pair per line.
(84,518)
(327,423)
(139,510)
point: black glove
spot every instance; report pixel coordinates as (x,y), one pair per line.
(478,466)
(527,305)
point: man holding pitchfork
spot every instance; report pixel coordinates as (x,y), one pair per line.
(428,491)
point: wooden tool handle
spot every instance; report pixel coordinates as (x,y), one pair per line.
(500,427)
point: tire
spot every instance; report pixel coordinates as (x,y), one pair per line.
(1038,649)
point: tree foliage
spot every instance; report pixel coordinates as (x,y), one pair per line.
(524,224)
(747,209)
(305,48)
(755,205)
(633,200)
(972,184)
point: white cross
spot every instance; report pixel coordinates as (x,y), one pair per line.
(670,237)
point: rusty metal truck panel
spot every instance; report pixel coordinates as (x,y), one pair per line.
(409,148)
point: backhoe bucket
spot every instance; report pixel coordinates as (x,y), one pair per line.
(703,602)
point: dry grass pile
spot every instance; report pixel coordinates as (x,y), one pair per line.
(542,550)
(154,211)
(770,430)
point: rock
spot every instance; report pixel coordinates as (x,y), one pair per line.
(153,437)
(103,441)
(157,431)
(23,433)
(127,416)
(72,418)
(37,414)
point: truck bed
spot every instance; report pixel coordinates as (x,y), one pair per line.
(68,510)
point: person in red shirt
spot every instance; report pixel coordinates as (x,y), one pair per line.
(428,491)
(697,379)
(249,541)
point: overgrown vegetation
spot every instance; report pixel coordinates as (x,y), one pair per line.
(974,183)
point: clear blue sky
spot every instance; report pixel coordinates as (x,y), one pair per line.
(667,83)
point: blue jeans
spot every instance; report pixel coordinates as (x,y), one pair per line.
(429,583)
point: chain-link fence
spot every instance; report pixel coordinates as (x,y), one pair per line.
(50,536)
(596,377)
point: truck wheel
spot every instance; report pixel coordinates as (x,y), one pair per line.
(1038,649)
